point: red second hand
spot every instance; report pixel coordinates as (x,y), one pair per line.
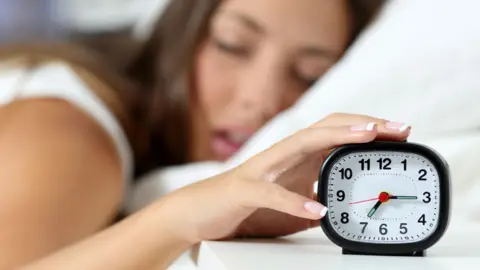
(383,197)
(369,200)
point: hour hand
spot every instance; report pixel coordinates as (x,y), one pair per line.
(374,209)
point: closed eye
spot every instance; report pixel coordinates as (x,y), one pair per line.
(308,80)
(236,50)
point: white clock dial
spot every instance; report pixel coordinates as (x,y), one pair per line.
(383,197)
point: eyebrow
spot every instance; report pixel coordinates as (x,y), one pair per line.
(314,51)
(246,20)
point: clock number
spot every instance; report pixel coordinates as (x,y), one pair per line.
(427,198)
(422,173)
(422,220)
(403,228)
(365,164)
(364,226)
(384,163)
(346,173)
(340,195)
(404,162)
(344,218)
(383,229)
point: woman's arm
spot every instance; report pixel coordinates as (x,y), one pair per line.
(215,208)
(61,186)
(62,190)
(147,240)
(60,179)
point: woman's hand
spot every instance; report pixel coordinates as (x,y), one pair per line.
(299,173)
(272,193)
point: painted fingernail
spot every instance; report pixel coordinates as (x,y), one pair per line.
(401,127)
(316,208)
(368,127)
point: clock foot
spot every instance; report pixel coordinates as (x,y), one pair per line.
(421,253)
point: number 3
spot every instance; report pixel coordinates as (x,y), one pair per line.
(427,197)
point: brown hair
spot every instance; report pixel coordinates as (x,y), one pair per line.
(153,78)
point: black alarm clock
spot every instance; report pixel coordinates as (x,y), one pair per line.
(385,198)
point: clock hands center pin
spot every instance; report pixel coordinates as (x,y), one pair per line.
(383,197)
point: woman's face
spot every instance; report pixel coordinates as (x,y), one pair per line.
(259,57)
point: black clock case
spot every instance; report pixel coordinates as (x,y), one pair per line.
(407,249)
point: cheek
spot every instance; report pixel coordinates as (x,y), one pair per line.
(214,82)
(292,95)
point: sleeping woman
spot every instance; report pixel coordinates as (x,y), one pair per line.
(79,125)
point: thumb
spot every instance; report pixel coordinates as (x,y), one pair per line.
(263,194)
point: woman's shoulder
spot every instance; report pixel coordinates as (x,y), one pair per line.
(25,77)
(78,64)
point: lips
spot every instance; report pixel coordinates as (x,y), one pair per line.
(225,143)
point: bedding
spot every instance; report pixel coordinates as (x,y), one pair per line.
(418,63)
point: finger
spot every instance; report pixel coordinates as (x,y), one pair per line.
(295,148)
(387,130)
(342,119)
(314,223)
(262,194)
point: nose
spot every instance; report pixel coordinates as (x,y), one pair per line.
(261,90)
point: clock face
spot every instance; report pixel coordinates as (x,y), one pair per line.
(383,197)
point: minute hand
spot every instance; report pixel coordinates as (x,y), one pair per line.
(403,197)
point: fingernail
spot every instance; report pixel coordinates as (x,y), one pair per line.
(368,127)
(401,127)
(316,208)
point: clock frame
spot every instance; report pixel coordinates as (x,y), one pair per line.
(399,249)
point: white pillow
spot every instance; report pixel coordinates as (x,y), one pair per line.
(418,63)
